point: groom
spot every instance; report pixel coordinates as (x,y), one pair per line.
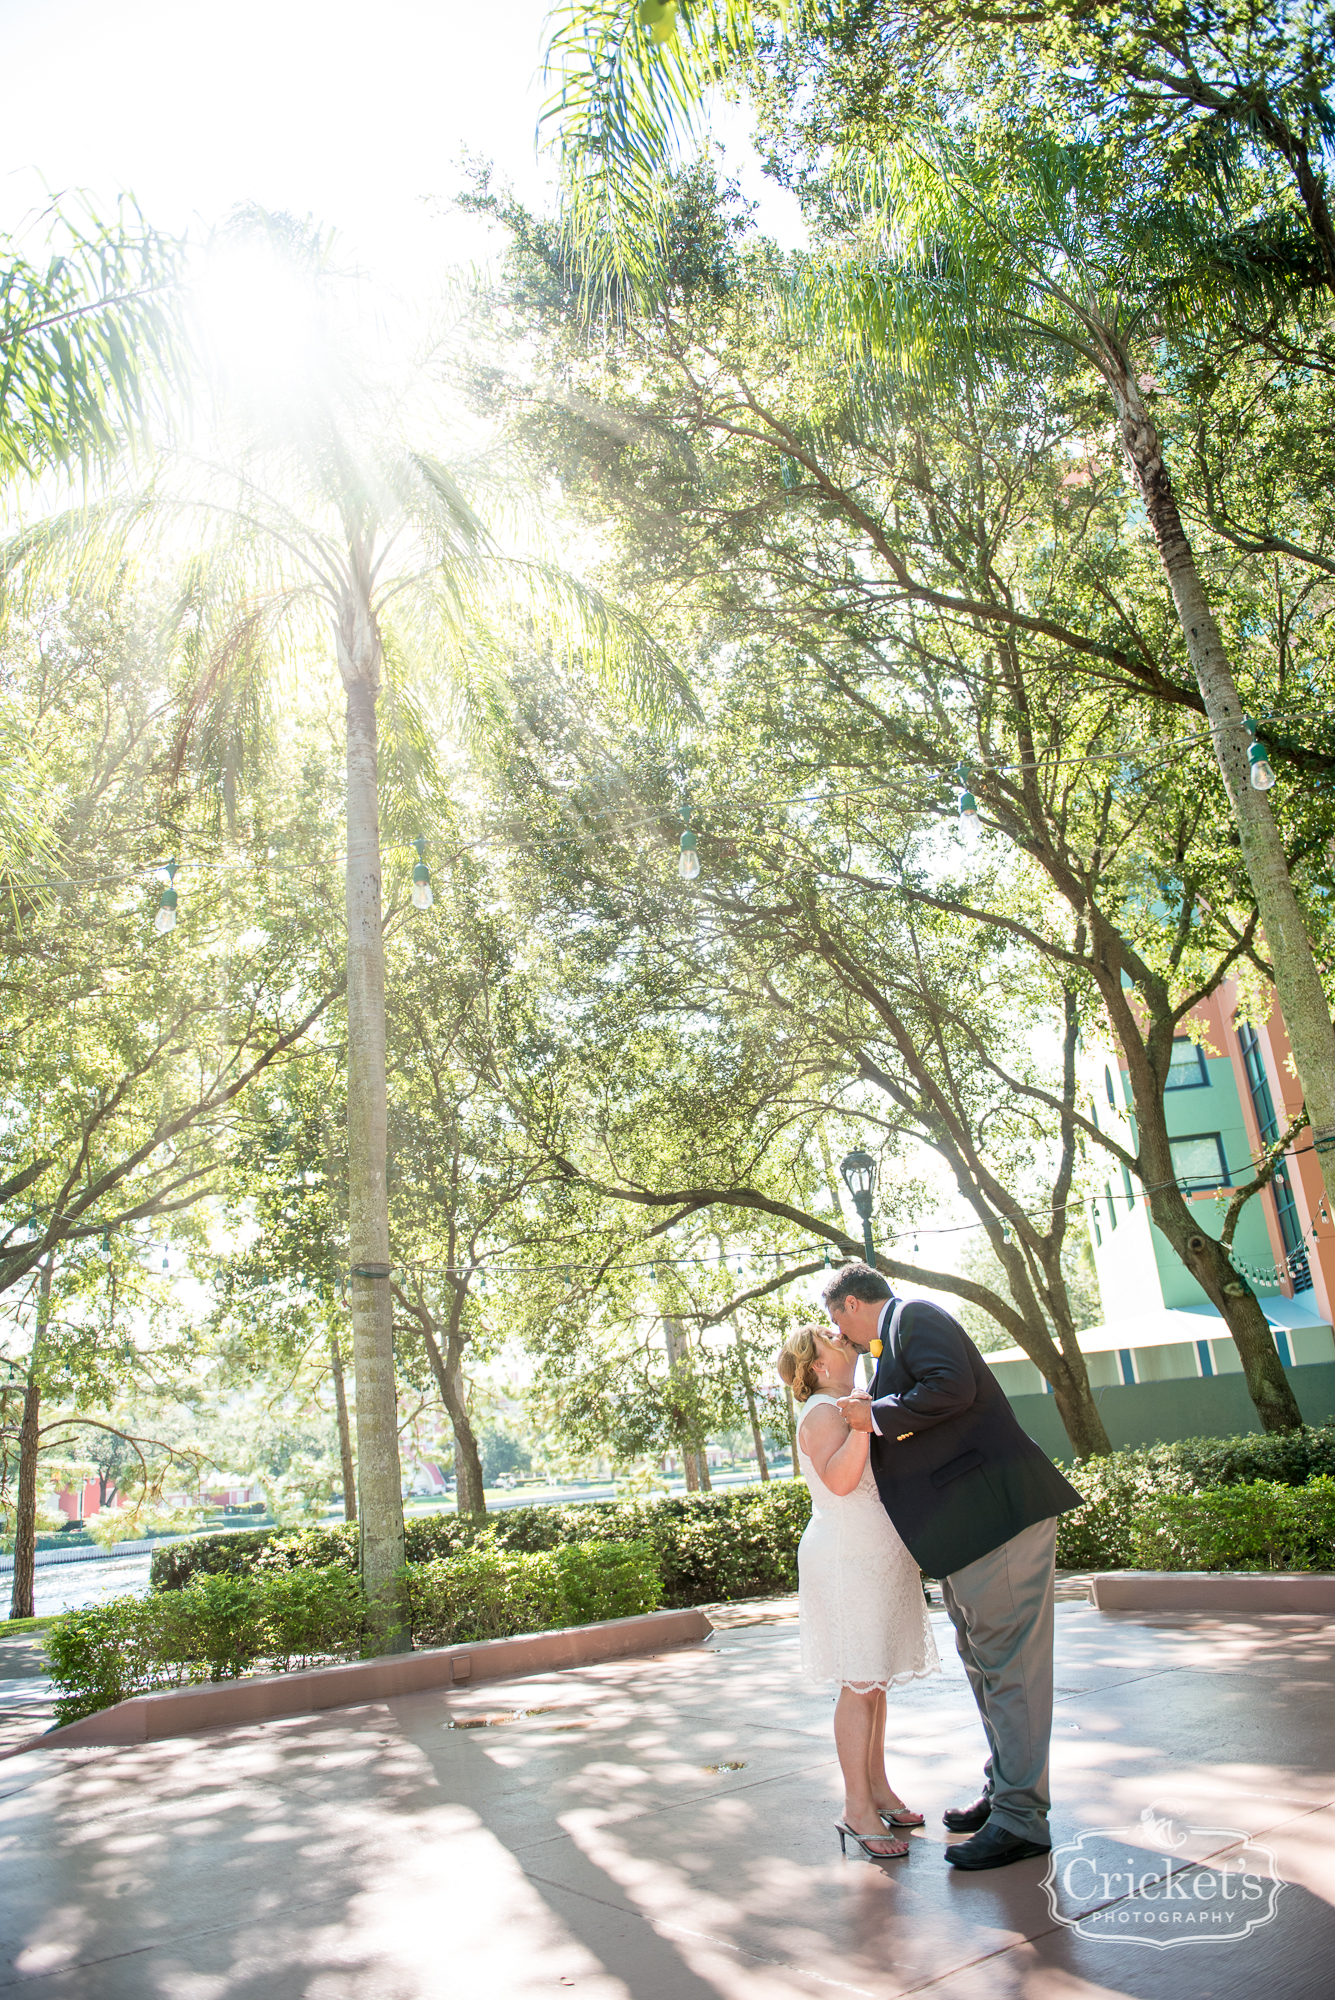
(975,1502)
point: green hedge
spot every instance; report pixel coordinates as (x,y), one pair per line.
(489,1593)
(215,1628)
(1121,1488)
(1263,1525)
(218,1626)
(708,1547)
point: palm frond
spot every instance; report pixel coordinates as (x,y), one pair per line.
(621,109)
(94,343)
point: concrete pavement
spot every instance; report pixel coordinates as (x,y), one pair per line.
(661,1829)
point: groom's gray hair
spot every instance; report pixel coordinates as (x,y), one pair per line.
(854,1281)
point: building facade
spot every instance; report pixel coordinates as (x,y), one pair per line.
(1162,1364)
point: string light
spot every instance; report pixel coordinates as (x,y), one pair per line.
(688,860)
(165,919)
(970,824)
(422,896)
(1258,757)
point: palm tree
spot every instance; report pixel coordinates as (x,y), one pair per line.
(969,255)
(94,353)
(320,519)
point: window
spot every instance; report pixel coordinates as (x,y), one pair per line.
(1198,1162)
(1127,1366)
(1186,1066)
(1108,1086)
(1112,1205)
(1130,1191)
(1094,1218)
(1203,1355)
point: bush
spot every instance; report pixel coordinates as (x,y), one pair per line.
(1118,1488)
(208,1555)
(708,1547)
(1263,1525)
(493,1593)
(219,1626)
(216,1627)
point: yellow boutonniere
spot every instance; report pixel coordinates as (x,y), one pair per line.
(876,1348)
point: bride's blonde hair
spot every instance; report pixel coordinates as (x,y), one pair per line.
(797,1362)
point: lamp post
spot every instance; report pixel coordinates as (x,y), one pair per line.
(859,1172)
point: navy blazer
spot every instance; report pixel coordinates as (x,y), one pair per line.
(956,1474)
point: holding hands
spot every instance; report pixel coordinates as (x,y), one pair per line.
(856,1411)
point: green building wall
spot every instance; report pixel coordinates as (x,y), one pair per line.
(1163,1412)
(1138,1269)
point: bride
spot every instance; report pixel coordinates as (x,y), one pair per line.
(864,1625)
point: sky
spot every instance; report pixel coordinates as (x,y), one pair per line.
(357,115)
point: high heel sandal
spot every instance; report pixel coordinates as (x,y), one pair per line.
(846,1833)
(900,1816)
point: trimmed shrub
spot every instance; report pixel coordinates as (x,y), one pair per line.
(208,1555)
(217,1627)
(1122,1486)
(493,1593)
(708,1547)
(1263,1525)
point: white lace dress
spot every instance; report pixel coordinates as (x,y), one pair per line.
(863,1618)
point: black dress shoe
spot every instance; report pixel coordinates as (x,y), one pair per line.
(968,1819)
(994,1847)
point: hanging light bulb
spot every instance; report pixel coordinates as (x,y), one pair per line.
(165,919)
(970,824)
(106,1242)
(165,1259)
(688,862)
(1262,771)
(422,897)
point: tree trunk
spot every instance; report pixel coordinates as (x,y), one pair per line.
(1297,981)
(1238,1306)
(748,1390)
(25,1509)
(469,1497)
(1063,1366)
(344,1432)
(379,1475)
(25,1512)
(693,1458)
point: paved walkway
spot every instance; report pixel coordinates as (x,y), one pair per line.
(660,1829)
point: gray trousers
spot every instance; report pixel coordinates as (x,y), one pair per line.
(1001,1608)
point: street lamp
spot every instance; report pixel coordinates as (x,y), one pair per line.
(859,1172)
